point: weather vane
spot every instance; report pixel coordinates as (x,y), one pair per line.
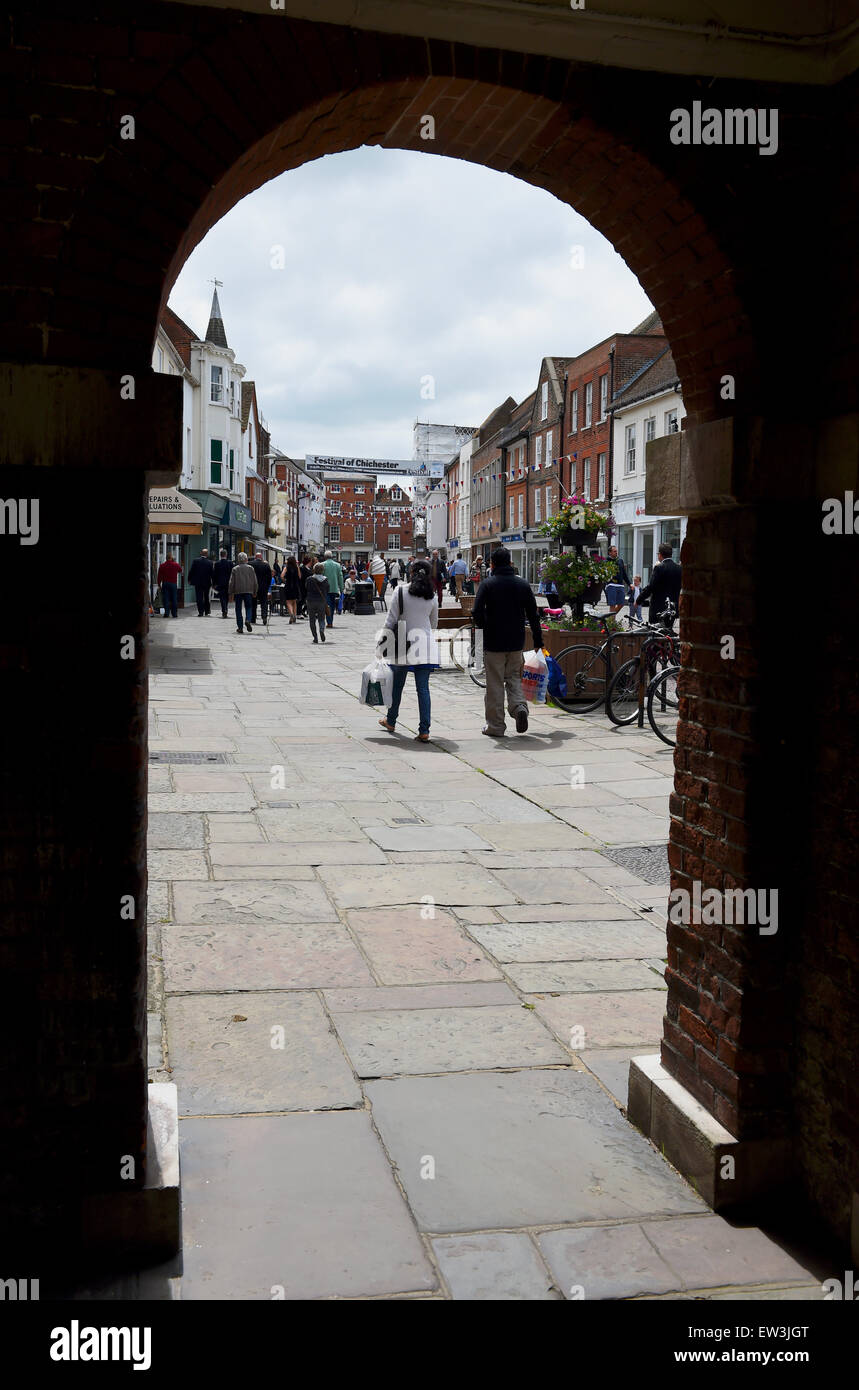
(216,283)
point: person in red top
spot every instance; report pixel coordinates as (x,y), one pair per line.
(168,578)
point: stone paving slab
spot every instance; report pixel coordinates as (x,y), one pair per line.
(582,976)
(179,802)
(283,854)
(628,826)
(610,911)
(449,885)
(223,1067)
(233,830)
(629,1019)
(495,1265)
(206,782)
(261,957)
(611,1065)
(419,1041)
(174,832)
(522,1148)
(536,886)
(308,823)
(600,1262)
(552,794)
(176,864)
(269,1205)
(712,1252)
(561,941)
(405,948)
(260,901)
(418,997)
(424,837)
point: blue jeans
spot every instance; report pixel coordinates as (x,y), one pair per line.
(169,593)
(248,601)
(422,675)
(332,608)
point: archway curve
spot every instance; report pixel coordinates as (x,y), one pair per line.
(510,113)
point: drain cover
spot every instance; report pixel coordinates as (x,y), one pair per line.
(649,862)
(171,757)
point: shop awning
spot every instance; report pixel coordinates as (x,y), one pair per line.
(171,513)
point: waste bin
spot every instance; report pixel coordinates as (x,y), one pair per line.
(365,593)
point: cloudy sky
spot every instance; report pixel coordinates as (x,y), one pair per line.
(350,281)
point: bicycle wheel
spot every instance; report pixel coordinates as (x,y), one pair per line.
(476,667)
(584,671)
(663,706)
(462,646)
(621,700)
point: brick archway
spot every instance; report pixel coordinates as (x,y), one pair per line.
(97,228)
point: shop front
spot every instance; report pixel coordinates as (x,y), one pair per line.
(639,535)
(537,551)
(514,541)
(236,529)
(175,524)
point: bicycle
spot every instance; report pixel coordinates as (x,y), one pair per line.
(467,652)
(663,705)
(587,672)
(659,651)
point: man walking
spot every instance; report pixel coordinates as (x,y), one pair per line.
(334,575)
(459,570)
(503,605)
(394,573)
(168,578)
(438,575)
(221,578)
(243,587)
(262,570)
(664,584)
(200,575)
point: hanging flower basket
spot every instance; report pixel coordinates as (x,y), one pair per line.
(575,536)
(579,516)
(579,576)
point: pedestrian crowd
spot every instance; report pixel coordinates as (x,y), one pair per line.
(504,613)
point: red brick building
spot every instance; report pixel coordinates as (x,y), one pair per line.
(544,451)
(361,518)
(592,379)
(488,465)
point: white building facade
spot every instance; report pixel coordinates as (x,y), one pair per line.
(649,406)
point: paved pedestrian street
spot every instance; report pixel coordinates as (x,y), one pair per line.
(398,986)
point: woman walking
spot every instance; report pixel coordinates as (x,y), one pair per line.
(317,600)
(413,617)
(305,569)
(292,587)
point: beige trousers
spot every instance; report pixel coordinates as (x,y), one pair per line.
(503,672)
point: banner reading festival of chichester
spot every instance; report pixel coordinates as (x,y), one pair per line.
(415,468)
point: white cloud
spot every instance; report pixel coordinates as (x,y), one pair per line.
(399,265)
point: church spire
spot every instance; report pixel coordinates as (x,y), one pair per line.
(215,332)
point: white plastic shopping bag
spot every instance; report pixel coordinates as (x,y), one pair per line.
(535,677)
(377,683)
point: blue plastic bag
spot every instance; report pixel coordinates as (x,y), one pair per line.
(557,679)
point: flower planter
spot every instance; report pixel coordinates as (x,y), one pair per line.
(626,644)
